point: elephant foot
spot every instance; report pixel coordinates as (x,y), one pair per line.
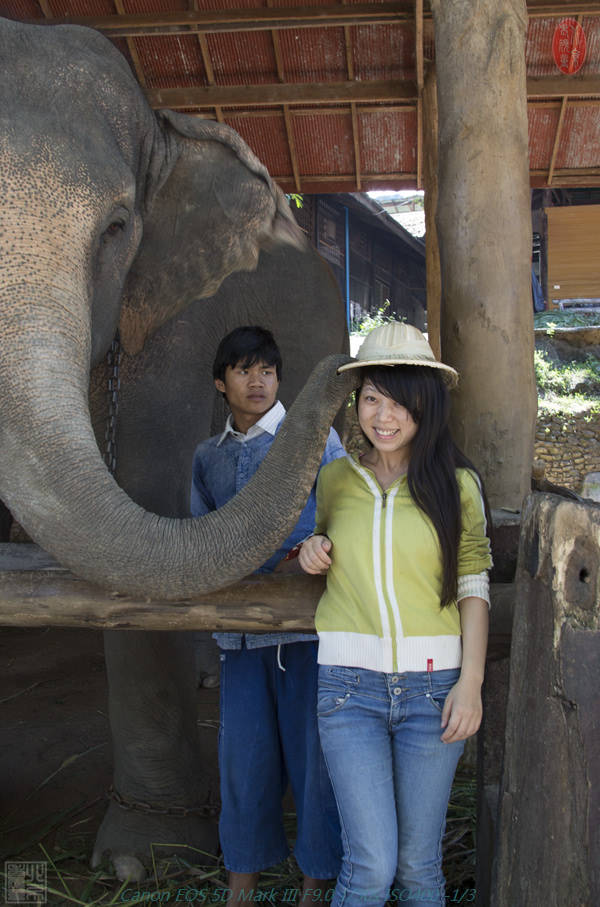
(129,840)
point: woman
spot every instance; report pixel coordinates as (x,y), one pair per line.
(401,534)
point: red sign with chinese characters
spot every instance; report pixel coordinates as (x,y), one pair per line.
(568,46)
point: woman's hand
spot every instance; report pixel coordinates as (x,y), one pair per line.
(313,557)
(461,715)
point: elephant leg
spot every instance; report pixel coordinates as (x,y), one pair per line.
(208,665)
(157,754)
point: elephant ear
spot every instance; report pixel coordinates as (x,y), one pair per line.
(210,208)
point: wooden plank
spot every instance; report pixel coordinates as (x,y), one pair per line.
(400,107)
(555,105)
(344,110)
(557,136)
(208,68)
(289,130)
(351,177)
(574,86)
(37,592)
(337,92)
(135,58)
(246,19)
(356,144)
(295,93)
(573,252)
(45,8)
(433,274)
(544,10)
(420,78)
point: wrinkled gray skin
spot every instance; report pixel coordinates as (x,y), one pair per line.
(113,216)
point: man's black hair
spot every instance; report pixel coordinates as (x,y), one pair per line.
(246,346)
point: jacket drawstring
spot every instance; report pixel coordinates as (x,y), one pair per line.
(279,665)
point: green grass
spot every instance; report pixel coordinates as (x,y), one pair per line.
(201,879)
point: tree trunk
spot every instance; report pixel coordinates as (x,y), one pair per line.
(484,233)
(430,182)
(549,821)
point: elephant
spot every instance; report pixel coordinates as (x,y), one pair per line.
(167,228)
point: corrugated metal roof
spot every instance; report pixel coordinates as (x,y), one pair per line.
(579,145)
(345,142)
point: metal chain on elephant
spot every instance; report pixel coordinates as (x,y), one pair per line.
(113,361)
(207,811)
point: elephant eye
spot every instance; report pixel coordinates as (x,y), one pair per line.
(117,226)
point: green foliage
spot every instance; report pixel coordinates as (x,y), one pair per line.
(297,199)
(562,378)
(370,322)
(568,387)
(553,320)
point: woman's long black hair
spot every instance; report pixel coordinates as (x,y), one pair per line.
(434,456)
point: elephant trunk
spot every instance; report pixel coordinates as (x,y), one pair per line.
(54,480)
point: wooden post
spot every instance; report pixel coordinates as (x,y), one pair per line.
(430,184)
(484,231)
(549,823)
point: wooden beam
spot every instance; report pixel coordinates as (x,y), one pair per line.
(353,113)
(419,68)
(248,19)
(569,171)
(555,105)
(391,178)
(289,129)
(345,110)
(339,92)
(292,93)
(45,8)
(558,9)
(355,140)
(364,108)
(561,118)
(206,61)
(210,74)
(433,276)
(586,176)
(35,591)
(135,59)
(558,86)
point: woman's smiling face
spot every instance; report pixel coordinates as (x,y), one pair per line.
(388,425)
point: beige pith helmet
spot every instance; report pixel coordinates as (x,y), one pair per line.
(395,343)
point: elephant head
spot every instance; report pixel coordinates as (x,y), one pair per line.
(114,216)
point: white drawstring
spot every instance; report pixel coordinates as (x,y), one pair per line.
(279,665)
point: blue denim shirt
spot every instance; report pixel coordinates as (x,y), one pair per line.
(222,466)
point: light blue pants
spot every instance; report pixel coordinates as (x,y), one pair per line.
(391,777)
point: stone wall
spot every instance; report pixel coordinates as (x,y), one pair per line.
(569,444)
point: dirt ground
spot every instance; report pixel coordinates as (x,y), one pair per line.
(55,750)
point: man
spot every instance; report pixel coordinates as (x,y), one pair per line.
(268,730)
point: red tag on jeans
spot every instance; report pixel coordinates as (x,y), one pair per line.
(430,664)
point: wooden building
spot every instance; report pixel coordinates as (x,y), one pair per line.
(373,258)
(566,248)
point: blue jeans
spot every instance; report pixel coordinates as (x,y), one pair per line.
(391,777)
(268,735)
